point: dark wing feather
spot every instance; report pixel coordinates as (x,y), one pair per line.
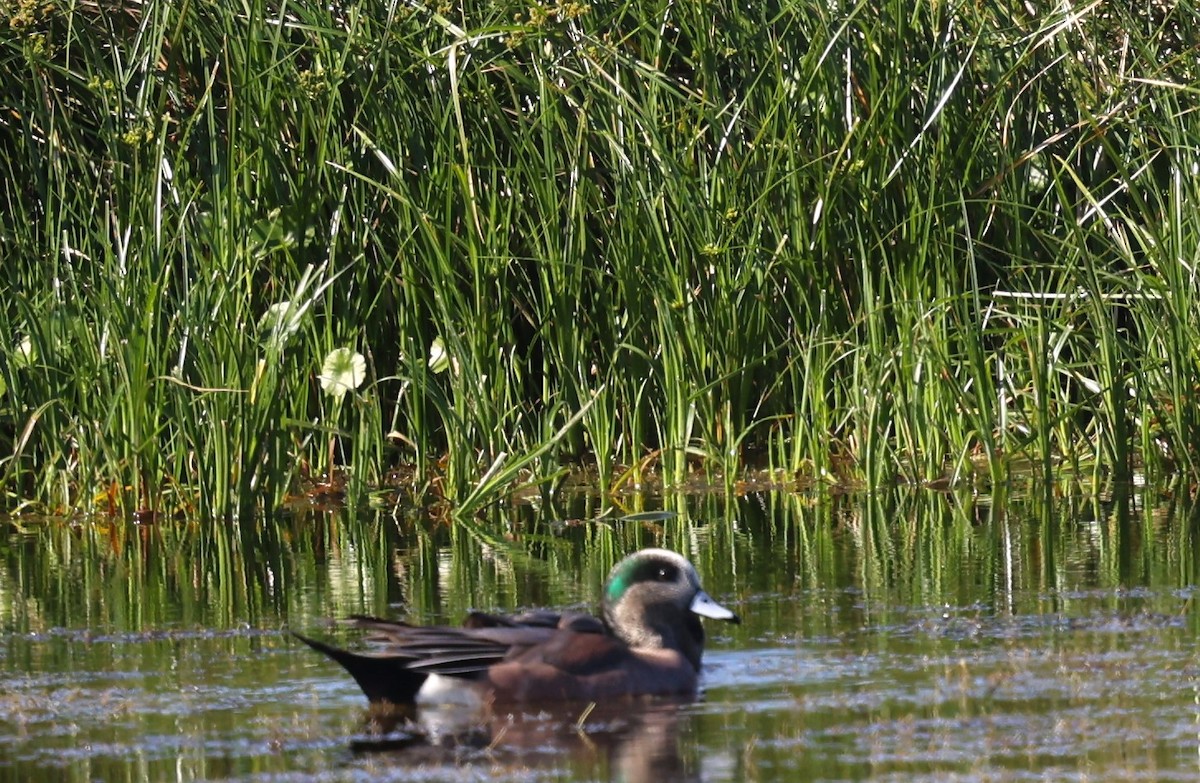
(381,677)
(579,622)
(484,640)
(400,656)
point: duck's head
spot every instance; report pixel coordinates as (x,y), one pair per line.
(653,600)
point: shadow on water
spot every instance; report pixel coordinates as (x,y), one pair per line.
(900,636)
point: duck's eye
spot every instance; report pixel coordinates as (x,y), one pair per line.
(656,572)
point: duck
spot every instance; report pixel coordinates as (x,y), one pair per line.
(647,642)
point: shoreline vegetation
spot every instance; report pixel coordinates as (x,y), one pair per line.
(418,252)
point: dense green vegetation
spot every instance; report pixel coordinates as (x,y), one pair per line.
(841,242)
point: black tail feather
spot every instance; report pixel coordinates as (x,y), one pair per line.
(381,678)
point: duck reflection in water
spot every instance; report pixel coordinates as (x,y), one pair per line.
(637,741)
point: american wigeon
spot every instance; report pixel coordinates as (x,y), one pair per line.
(647,642)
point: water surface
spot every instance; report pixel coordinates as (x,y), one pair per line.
(912,636)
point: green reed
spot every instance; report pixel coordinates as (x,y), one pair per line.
(854,243)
